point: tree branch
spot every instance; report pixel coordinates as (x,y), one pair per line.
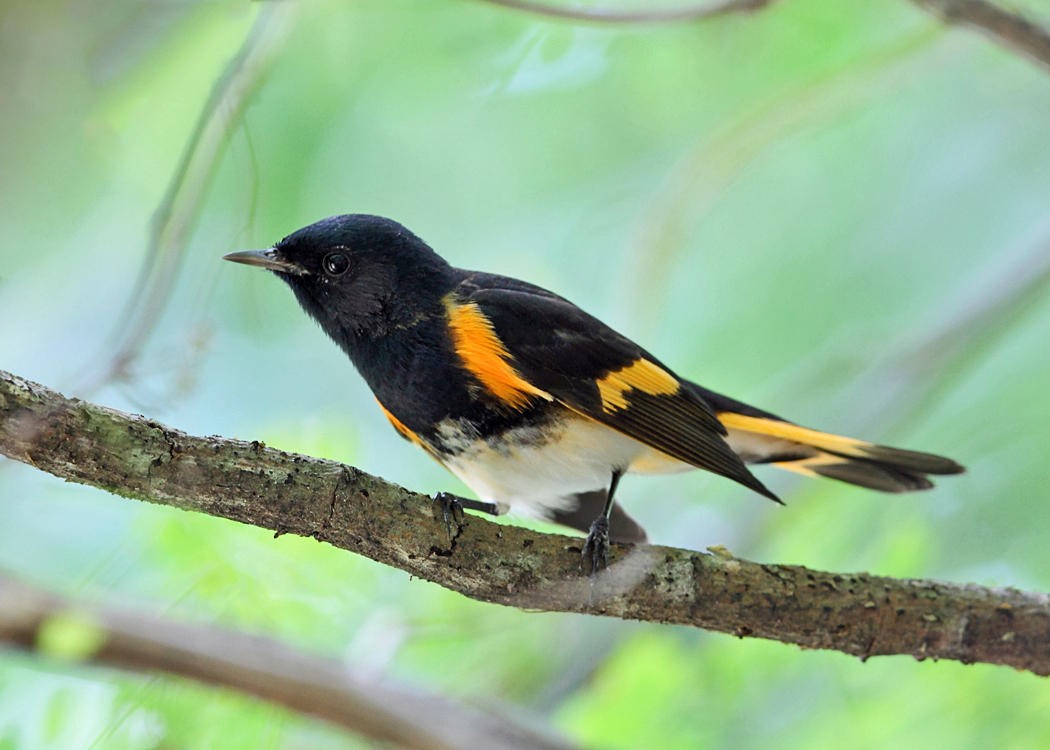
(259,666)
(1010,29)
(654,15)
(857,614)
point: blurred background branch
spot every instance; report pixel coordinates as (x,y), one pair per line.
(179,208)
(998,299)
(1012,29)
(61,628)
(710,9)
(1009,28)
(854,613)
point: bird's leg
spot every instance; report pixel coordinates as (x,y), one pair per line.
(596,548)
(452,507)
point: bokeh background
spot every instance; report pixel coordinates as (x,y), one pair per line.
(837,211)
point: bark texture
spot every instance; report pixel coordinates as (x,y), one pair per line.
(854,613)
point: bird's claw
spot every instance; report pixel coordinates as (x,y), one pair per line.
(596,548)
(451,512)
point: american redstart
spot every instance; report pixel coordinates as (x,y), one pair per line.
(533,403)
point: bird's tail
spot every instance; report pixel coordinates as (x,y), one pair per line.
(760,437)
(767,439)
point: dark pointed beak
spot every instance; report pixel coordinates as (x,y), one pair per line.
(270,259)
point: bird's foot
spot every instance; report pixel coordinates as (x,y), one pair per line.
(452,507)
(596,549)
(451,511)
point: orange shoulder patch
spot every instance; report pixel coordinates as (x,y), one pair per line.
(486,358)
(641,375)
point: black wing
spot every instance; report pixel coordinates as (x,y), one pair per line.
(596,372)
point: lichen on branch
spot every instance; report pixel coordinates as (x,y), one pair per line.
(856,614)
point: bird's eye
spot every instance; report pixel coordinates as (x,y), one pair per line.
(335,264)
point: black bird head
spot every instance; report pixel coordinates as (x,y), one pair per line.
(359,276)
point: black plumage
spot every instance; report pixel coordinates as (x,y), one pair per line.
(522,393)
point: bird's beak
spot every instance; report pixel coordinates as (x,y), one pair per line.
(270,258)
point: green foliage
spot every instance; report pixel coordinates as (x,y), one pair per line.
(807,208)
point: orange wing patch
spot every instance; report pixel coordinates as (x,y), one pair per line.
(641,375)
(403,431)
(486,358)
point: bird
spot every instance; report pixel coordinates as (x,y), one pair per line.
(536,405)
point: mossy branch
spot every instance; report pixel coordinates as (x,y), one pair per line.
(856,614)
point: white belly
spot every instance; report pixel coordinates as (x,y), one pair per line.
(537,469)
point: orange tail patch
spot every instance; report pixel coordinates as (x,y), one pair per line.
(878,467)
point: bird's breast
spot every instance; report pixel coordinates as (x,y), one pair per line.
(539,466)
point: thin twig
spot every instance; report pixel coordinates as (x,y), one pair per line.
(1011,29)
(265,668)
(857,614)
(655,15)
(179,207)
